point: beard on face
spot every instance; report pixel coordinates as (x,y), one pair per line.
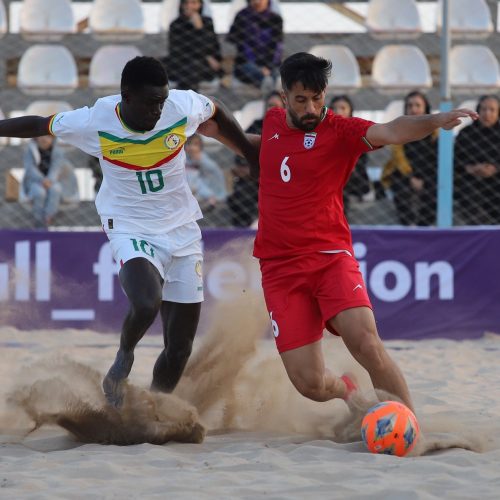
(301,123)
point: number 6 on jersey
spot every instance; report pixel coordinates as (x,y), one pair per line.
(285,171)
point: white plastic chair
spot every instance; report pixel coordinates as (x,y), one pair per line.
(44,107)
(251,111)
(468,18)
(3,140)
(474,69)
(399,68)
(46,20)
(47,69)
(393,19)
(116,20)
(170,12)
(394,109)
(469,104)
(107,64)
(346,76)
(3,19)
(237,5)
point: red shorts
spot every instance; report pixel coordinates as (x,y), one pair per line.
(303,293)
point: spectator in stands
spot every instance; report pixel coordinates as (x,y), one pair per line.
(205,178)
(358,184)
(243,202)
(95,167)
(194,51)
(477,165)
(411,172)
(43,164)
(257,32)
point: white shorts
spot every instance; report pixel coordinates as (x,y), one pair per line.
(177,255)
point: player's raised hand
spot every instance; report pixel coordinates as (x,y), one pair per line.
(453,118)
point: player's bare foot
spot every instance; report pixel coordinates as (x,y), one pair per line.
(115,378)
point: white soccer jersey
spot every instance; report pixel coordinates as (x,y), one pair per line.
(144,186)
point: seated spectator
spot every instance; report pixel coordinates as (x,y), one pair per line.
(257,32)
(411,172)
(194,51)
(95,167)
(205,178)
(477,165)
(358,184)
(272,100)
(44,163)
(243,201)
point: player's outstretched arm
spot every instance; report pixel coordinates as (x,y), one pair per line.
(25,126)
(231,134)
(413,128)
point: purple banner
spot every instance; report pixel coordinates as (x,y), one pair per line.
(423,282)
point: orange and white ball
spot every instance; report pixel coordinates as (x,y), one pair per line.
(390,428)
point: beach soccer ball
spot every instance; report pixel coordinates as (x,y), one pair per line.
(390,428)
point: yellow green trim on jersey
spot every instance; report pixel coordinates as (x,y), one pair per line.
(118,111)
(138,154)
(52,118)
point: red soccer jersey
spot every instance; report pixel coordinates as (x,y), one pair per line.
(302,176)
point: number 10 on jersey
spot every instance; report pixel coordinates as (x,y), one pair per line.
(154,181)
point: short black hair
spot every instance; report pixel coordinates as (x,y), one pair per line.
(311,71)
(141,71)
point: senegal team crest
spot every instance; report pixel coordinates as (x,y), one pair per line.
(172,141)
(309,139)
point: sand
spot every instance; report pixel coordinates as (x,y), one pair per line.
(250,435)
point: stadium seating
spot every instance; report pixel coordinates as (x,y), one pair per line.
(400,68)
(107,64)
(394,109)
(170,11)
(3,140)
(474,69)
(44,107)
(3,19)
(468,18)
(46,20)
(393,19)
(469,104)
(47,69)
(252,110)
(117,20)
(346,76)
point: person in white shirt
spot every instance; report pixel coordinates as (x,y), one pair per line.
(146,207)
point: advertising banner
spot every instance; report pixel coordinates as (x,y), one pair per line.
(423,283)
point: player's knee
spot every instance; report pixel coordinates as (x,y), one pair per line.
(146,309)
(311,386)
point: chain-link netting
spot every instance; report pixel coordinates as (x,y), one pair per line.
(231,50)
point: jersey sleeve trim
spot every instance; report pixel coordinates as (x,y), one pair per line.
(51,122)
(368,143)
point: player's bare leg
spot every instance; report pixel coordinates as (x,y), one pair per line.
(358,330)
(180,322)
(142,284)
(306,370)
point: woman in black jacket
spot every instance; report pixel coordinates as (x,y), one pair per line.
(194,51)
(477,165)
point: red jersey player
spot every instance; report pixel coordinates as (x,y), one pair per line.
(310,277)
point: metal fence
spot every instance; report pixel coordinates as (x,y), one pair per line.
(394,185)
